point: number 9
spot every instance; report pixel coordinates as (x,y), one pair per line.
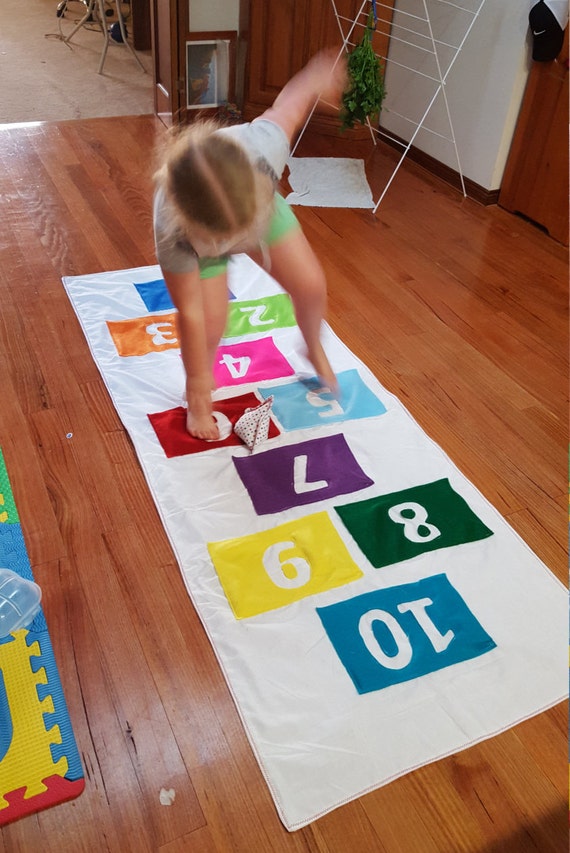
(274,564)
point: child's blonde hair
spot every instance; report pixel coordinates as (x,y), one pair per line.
(210,183)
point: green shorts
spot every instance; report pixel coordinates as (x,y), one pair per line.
(282,222)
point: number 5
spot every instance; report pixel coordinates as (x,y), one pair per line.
(315,399)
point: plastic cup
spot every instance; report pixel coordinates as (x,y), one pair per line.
(19,601)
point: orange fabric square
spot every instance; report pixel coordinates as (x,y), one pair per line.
(141,335)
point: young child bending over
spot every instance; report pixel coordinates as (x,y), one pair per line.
(215,196)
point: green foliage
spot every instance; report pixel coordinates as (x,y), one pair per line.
(365,93)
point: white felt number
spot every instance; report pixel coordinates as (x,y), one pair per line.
(415,524)
(300,483)
(418,610)
(404,651)
(161,333)
(275,567)
(330,407)
(237,367)
(257,312)
(224,425)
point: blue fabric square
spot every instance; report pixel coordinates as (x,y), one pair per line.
(155,295)
(403,632)
(305,404)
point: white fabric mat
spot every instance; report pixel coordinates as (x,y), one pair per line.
(328,182)
(319,742)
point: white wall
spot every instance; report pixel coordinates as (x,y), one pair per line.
(484,89)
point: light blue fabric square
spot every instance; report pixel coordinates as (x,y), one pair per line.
(305,404)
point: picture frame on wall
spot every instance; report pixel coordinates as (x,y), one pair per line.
(210,70)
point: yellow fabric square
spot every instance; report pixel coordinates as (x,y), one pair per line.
(264,571)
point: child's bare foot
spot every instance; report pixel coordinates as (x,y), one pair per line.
(203,426)
(200,422)
(323,369)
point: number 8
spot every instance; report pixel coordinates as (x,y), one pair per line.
(416,522)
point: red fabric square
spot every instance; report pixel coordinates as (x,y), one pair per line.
(170,426)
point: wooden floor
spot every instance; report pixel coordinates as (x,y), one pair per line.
(459,310)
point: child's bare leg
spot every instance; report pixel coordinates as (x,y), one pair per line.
(202,306)
(297,269)
(199,421)
(215,301)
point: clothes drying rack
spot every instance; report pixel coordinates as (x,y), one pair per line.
(417,47)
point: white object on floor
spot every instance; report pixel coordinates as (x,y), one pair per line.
(329,182)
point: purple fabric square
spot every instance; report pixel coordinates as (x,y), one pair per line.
(299,474)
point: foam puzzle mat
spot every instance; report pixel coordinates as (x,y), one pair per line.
(39,762)
(370,610)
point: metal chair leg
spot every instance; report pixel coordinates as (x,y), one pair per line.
(123,35)
(90,6)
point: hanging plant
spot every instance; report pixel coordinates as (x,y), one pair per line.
(363,98)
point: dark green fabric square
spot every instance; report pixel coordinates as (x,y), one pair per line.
(388,530)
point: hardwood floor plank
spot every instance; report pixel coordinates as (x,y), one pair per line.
(400,819)
(542,527)
(201,711)
(199,841)
(336,831)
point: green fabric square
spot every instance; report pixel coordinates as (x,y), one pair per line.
(398,526)
(259,315)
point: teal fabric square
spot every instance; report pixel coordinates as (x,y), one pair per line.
(405,632)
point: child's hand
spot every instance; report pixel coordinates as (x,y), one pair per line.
(329,75)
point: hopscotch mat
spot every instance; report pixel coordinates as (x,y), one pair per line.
(39,762)
(370,610)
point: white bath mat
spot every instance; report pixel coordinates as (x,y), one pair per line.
(329,182)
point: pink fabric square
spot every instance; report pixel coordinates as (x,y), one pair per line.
(250,361)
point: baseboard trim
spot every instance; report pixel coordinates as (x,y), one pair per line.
(326,125)
(445,173)
(329,126)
